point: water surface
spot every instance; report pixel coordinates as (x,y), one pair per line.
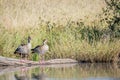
(62,72)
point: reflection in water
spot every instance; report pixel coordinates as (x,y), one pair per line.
(23,77)
(22,74)
(41,75)
(65,72)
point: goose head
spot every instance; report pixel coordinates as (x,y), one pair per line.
(29,39)
(29,44)
(45,41)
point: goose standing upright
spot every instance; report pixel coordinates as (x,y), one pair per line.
(24,49)
(41,49)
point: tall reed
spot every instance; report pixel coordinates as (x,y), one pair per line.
(74,40)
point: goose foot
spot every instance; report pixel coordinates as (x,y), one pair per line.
(22,61)
(41,62)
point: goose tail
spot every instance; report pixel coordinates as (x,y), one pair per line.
(32,50)
(15,52)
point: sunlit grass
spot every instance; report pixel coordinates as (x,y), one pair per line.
(80,43)
(74,29)
(17,13)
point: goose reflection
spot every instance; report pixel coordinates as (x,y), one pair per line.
(23,75)
(40,76)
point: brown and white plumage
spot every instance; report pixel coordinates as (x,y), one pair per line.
(24,49)
(41,49)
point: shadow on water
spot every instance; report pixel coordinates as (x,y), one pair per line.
(40,75)
(22,74)
(84,71)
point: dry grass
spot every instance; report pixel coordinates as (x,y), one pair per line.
(64,43)
(19,13)
(73,28)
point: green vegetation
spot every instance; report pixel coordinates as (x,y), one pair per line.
(94,42)
(70,41)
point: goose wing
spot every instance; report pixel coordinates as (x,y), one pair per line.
(21,49)
(36,49)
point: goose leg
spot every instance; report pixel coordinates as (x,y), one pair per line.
(39,59)
(25,58)
(42,60)
(21,58)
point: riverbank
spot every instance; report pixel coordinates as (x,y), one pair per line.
(5,61)
(80,43)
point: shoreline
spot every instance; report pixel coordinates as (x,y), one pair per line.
(5,61)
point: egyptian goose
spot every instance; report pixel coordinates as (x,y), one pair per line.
(41,49)
(24,49)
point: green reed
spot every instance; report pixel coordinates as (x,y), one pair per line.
(74,40)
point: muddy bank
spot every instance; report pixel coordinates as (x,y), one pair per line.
(5,61)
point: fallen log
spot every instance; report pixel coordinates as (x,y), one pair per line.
(5,61)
